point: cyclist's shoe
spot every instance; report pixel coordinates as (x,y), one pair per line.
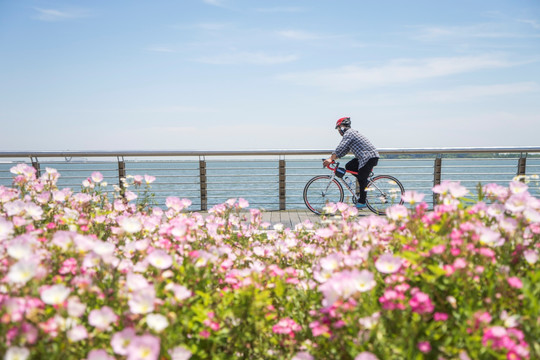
(361,206)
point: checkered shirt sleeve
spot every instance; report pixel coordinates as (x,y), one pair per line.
(358,144)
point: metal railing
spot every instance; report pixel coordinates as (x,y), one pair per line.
(274,179)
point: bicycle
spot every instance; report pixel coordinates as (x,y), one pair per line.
(382,191)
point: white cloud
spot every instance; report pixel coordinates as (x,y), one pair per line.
(353,77)
(161,48)
(214,2)
(468,93)
(60,15)
(256,58)
(534,23)
(213,26)
(298,35)
(282,9)
(460,94)
(485,31)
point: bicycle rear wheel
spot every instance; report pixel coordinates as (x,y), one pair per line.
(321,190)
(383,191)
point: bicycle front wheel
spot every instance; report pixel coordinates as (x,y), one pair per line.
(383,191)
(321,190)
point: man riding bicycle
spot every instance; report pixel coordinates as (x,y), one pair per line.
(366,155)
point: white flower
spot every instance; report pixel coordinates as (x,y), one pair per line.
(97,177)
(302,355)
(77,333)
(160,259)
(34,211)
(121,340)
(135,282)
(397,212)
(19,248)
(180,353)
(55,295)
(180,292)
(130,195)
(531,256)
(157,322)
(75,308)
(103,248)
(142,301)
(17,353)
(131,225)
(102,318)
(388,263)
(517,187)
(21,272)
(510,321)
(6,228)
(369,322)
(490,237)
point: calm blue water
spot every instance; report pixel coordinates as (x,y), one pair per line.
(258,181)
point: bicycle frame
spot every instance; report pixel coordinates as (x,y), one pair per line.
(343,182)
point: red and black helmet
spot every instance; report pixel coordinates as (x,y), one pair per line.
(344,121)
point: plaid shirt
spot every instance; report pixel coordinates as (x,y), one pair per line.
(359,145)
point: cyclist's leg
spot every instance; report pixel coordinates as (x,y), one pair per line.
(352,165)
(363,175)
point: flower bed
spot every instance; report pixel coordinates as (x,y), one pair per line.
(92,275)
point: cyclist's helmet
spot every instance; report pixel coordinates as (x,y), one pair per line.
(344,121)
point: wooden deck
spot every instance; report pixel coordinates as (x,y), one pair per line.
(289,218)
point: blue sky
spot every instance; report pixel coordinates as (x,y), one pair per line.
(275,74)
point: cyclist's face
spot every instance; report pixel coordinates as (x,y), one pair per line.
(340,130)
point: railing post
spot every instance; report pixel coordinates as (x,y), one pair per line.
(36,165)
(121,174)
(282,185)
(202,182)
(437,169)
(522,164)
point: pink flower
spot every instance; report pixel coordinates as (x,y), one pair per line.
(97,177)
(144,347)
(160,259)
(318,329)
(412,197)
(440,316)
(388,263)
(69,266)
(148,179)
(397,212)
(515,282)
(77,333)
(180,353)
(346,283)
(302,355)
(102,318)
(99,354)
(286,326)
(460,263)
(424,346)
(121,340)
(421,303)
(531,256)
(365,355)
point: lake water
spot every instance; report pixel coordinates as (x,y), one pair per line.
(258,180)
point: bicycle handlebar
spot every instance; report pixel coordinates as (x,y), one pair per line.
(336,165)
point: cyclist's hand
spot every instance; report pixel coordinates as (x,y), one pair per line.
(327,162)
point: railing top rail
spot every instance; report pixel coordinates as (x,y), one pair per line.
(157,153)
